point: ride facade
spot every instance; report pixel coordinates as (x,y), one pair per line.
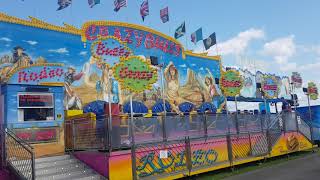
(148,107)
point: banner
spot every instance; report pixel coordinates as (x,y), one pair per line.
(231,83)
(249,84)
(269,86)
(296,80)
(312,91)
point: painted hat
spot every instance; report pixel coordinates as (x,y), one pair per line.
(71,67)
(19,47)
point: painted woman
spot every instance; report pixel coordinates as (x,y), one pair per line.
(172,86)
(215,93)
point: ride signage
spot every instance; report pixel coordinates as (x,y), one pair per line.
(135,74)
(35,100)
(134,36)
(108,48)
(269,86)
(231,83)
(313,91)
(296,79)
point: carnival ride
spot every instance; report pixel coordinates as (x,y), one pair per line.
(161,114)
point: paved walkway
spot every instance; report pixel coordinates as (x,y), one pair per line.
(305,168)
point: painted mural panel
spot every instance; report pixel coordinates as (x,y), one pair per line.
(88,62)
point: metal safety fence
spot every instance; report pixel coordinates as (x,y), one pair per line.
(19,156)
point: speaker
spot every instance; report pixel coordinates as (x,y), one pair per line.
(37,89)
(294,97)
(258,85)
(305,90)
(216,80)
(154,60)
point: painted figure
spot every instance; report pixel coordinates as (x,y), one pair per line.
(215,93)
(109,85)
(190,92)
(20,58)
(71,99)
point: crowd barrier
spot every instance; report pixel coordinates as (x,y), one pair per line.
(173,146)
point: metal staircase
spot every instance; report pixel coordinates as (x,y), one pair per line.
(19,157)
(63,167)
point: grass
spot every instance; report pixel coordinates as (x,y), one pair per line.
(243,168)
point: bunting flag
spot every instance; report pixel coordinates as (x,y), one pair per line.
(210,41)
(144,9)
(93,2)
(118,4)
(196,36)
(63,4)
(180,31)
(164,14)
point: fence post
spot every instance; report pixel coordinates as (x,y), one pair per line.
(188,154)
(3,147)
(163,123)
(229,147)
(250,144)
(133,160)
(205,125)
(33,166)
(73,135)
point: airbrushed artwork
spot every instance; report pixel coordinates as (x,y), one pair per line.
(87,64)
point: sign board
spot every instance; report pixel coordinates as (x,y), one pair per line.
(45,74)
(296,79)
(110,49)
(269,86)
(135,36)
(35,100)
(313,91)
(37,135)
(231,83)
(163,154)
(135,74)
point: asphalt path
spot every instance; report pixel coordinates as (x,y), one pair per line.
(304,168)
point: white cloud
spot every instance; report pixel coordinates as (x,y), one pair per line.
(238,44)
(281,50)
(5,39)
(183,65)
(7,45)
(83,53)
(193,64)
(312,67)
(60,50)
(201,69)
(31,42)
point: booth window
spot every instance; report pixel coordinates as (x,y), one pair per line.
(35,107)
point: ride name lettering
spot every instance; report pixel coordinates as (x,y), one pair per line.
(270,87)
(126,73)
(45,73)
(117,51)
(227,83)
(312,90)
(133,36)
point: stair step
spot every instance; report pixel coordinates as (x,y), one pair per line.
(47,171)
(93,177)
(69,175)
(56,163)
(52,158)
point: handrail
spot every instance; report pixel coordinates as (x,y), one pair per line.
(19,156)
(18,139)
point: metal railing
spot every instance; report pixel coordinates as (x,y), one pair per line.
(19,156)
(83,134)
(163,145)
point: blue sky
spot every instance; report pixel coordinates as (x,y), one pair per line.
(273,36)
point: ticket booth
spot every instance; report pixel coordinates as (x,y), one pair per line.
(32,102)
